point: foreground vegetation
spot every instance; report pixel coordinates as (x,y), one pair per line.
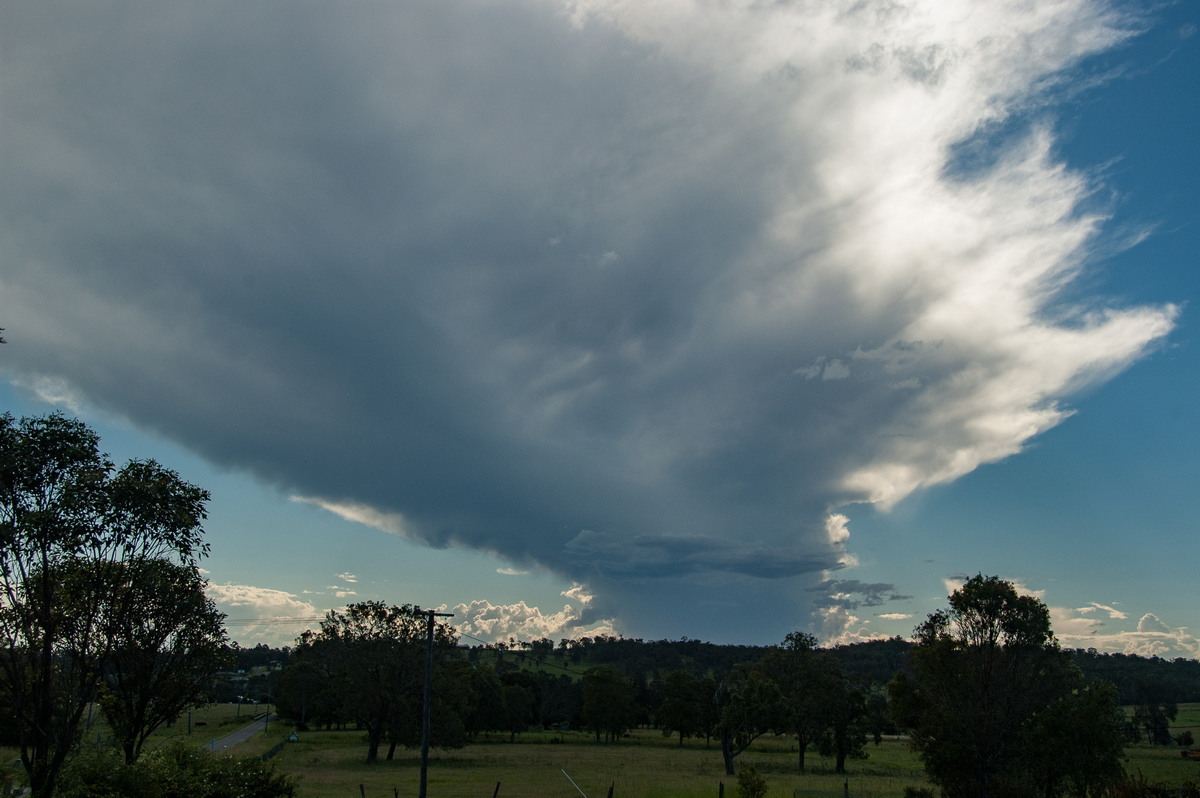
(109,643)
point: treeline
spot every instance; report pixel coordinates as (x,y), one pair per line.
(362,670)
(1141,679)
(646,663)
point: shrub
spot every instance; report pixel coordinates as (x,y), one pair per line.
(750,783)
(177,770)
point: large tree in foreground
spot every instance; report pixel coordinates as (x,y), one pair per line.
(70,523)
(997,710)
(166,641)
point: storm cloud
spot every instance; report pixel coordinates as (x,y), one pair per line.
(639,292)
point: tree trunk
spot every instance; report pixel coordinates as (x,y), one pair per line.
(727,753)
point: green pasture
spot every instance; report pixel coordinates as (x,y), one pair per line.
(643,765)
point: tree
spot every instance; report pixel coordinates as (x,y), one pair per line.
(801,674)
(843,709)
(683,706)
(992,701)
(372,658)
(608,706)
(521,696)
(1077,742)
(1153,713)
(163,654)
(68,518)
(750,707)
(818,704)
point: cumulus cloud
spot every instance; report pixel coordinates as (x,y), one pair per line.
(263,615)
(638,292)
(482,620)
(839,627)
(1151,637)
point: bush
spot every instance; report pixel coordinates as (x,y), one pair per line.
(918,792)
(750,783)
(177,770)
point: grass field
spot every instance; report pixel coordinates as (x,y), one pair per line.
(643,765)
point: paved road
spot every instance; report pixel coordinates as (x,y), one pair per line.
(243,734)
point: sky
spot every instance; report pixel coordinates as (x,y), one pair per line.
(658,318)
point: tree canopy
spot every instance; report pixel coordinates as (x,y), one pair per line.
(366,665)
(997,709)
(76,534)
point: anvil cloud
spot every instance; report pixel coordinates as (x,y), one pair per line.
(638,292)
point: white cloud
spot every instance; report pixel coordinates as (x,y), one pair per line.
(360,514)
(1112,611)
(841,627)
(347,577)
(1152,637)
(895,616)
(263,615)
(489,622)
(511,572)
(837,528)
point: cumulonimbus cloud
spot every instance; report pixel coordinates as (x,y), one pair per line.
(640,292)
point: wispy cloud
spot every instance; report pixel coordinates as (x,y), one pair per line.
(638,292)
(895,616)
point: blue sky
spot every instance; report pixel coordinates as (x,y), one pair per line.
(654,319)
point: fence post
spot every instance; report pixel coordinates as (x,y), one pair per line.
(721,789)
(496,791)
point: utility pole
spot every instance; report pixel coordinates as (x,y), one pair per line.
(430,615)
